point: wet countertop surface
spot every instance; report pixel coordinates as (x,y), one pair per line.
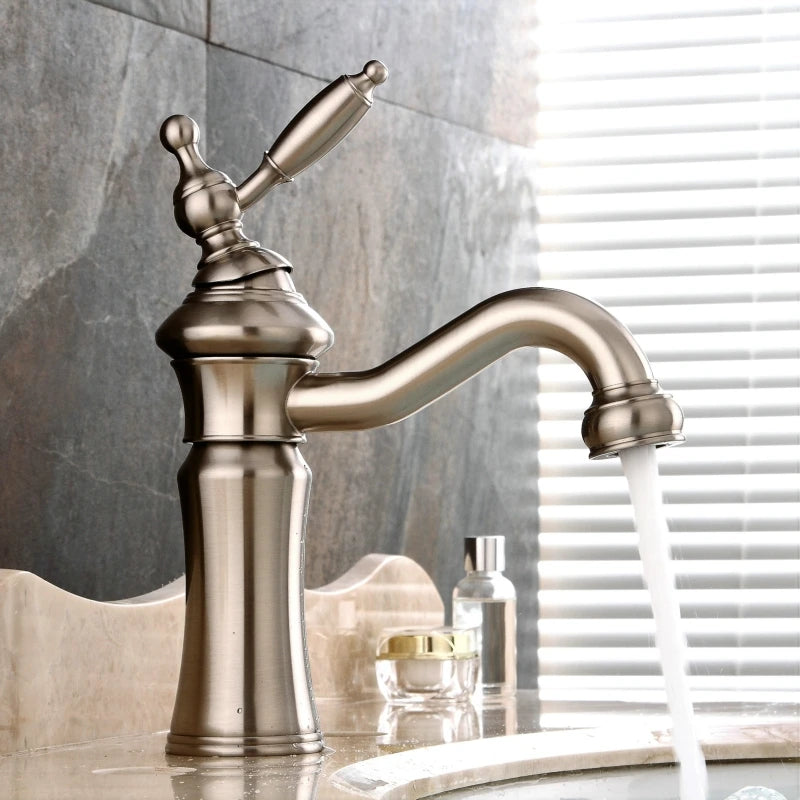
(378,751)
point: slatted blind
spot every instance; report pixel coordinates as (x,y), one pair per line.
(669,190)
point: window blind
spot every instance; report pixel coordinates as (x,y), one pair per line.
(668,150)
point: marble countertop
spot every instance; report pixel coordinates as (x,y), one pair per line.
(73,669)
(377,751)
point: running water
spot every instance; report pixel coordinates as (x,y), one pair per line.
(641,470)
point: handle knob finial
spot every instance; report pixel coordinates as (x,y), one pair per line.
(179,131)
(376,71)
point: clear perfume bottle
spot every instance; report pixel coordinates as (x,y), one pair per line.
(486,600)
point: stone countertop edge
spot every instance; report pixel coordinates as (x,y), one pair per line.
(419,773)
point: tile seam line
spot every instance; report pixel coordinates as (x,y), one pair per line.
(387,101)
(189,34)
(225,48)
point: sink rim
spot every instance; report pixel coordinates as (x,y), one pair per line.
(425,771)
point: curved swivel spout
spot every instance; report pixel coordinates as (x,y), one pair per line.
(629,407)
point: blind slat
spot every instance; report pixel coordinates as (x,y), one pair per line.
(692,374)
(653,177)
(677,261)
(712,346)
(636,233)
(764,285)
(633,603)
(720,546)
(753,627)
(568,686)
(583,490)
(644,661)
(744,115)
(668,148)
(632,92)
(722,575)
(583,36)
(703,60)
(612,206)
(550,11)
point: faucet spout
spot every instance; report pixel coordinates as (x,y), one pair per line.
(628,409)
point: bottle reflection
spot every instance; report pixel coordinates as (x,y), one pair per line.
(407,726)
(499,717)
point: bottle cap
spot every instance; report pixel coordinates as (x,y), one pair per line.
(485,553)
(437,644)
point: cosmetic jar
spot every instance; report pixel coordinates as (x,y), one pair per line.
(424,665)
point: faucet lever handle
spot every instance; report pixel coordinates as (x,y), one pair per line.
(325,120)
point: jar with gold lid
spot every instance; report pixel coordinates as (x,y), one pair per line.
(437,665)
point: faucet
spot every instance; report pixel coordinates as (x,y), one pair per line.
(244,346)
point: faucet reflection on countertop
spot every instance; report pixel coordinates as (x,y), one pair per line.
(244,346)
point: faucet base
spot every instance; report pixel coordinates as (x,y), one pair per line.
(301,744)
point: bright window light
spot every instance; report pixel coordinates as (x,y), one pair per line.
(668,189)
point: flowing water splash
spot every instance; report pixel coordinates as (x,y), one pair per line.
(641,470)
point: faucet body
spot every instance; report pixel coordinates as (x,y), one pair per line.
(245,346)
(244,682)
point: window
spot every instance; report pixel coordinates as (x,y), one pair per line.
(669,190)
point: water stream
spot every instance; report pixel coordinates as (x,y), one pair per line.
(641,470)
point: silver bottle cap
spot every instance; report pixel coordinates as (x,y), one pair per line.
(485,553)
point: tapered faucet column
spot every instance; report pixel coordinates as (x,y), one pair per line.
(244,683)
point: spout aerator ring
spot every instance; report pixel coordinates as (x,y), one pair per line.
(631,415)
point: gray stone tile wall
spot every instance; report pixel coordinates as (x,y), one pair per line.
(467,61)
(189,16)
(89,266)
(426,209)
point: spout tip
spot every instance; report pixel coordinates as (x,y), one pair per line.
(631,416)
(613,449)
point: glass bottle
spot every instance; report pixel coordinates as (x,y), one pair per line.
(486,600)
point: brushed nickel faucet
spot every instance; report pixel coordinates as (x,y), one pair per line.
(244,346)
